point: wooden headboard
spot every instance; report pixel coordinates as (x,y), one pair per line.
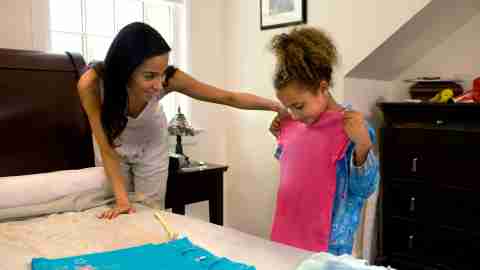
(43,126)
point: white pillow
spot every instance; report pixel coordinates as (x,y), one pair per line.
(24,190)
(77,201)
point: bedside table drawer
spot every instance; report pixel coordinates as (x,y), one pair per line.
(433,244)
(205,184)
(193,186)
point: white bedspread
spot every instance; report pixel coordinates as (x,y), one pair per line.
(78,233)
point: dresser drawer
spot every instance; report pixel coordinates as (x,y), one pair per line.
(407,200)
(455,208)
(406,263)
(438,206)
(431,244)
(403,152)
(443,157)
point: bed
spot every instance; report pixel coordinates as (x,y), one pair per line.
(44,132)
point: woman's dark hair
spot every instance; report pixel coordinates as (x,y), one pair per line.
(135,43)
(305,56)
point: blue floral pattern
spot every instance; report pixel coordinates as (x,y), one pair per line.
(354,186)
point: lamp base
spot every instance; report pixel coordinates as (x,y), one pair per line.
(182,162)
(180,159)
(179,146)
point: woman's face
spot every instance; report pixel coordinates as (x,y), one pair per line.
(146,80)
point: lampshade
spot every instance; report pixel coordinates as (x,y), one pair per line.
(179,126)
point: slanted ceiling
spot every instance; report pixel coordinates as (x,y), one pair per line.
(427,29)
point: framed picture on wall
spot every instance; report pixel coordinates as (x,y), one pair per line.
(280,13)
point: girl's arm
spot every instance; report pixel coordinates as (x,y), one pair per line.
(91,102)
(363,180)
(185,84)
(356,129)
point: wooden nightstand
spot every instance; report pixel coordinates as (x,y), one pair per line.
(195,186)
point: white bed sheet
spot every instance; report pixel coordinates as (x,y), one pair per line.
(78,233)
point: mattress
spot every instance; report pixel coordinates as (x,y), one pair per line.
(76,233)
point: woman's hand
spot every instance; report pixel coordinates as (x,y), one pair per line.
(278,107)
(120,208)
(275,125)
(357,131)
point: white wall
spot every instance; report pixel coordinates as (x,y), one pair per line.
(414,39)
(361,26)
(363,95)
(16,26)
(207,64)
(457,56)
(24,24)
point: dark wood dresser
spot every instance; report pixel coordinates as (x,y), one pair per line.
(430,165)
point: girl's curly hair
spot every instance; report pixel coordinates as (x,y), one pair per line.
(305,55)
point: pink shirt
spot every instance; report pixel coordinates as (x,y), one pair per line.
(307,181)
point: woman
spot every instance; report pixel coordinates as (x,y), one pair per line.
(121,98)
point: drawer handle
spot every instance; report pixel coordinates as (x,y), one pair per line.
(412,204)
(414,165)
(439,122)
(410,241)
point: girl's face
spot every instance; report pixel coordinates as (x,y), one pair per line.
(146,80)
(302,104)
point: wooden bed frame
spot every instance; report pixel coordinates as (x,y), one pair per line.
(43,125)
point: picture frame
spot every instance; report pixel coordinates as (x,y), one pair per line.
(281,13)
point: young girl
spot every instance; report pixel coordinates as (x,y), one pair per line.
(121,98)
(327,166)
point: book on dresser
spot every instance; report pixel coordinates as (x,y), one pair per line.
(430,167)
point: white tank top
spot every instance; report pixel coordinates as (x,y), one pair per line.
(148,130)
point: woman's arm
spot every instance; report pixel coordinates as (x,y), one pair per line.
(91,102)
(186,84)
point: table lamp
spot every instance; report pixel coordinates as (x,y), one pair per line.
(180,127)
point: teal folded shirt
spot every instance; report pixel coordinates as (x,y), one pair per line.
(177,254)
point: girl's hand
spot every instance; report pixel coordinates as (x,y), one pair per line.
(357,131)
(120,208)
